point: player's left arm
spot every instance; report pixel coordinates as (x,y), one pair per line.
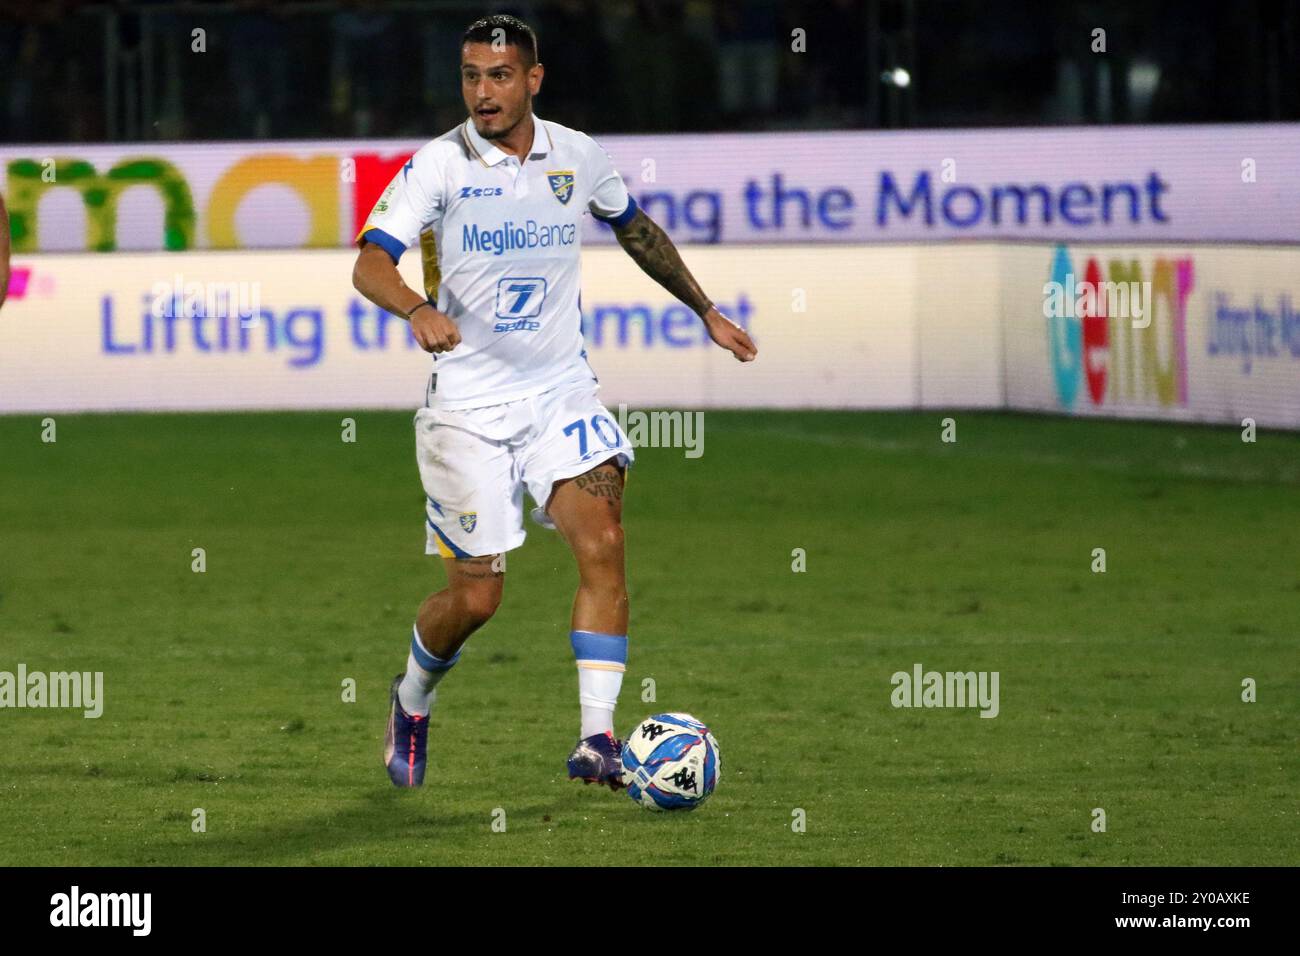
(649,246)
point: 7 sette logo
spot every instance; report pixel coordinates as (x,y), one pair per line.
(519,299)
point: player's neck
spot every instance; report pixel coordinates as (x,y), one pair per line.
(519,141)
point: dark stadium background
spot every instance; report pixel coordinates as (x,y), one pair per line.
(369,68)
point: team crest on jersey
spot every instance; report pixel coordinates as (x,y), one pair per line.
(561,184)
(469,521)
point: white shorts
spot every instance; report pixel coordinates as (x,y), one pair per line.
(476,462)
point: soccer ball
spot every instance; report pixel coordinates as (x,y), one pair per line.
(670,762)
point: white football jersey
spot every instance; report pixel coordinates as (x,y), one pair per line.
(500,239)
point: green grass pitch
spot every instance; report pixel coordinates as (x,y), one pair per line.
(1120,690)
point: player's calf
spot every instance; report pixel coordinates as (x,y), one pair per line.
(445,621)
(587,511)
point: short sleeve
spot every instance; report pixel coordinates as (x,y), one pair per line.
(610,200)
(407,206)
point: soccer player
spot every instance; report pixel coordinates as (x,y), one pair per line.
(511,405)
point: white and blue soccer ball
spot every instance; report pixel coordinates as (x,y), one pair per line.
(670,762)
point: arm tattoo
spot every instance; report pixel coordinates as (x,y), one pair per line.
(658,258)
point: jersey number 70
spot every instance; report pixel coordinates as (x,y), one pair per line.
(600,425)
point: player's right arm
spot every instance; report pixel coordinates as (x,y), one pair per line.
(412,200)
(376,277)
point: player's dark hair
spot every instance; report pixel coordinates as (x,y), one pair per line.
(513,31)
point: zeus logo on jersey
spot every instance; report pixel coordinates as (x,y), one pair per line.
(530,235)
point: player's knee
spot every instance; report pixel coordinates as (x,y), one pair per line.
(601,547)
(478,604)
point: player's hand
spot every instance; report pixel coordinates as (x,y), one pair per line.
(729,335)
(434,330)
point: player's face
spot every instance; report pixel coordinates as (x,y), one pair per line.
(498,87)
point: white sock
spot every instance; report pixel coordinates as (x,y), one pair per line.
(598,695)
(602,659)
(596,720)
(417,692)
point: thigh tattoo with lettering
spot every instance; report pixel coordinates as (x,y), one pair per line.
(604,483)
